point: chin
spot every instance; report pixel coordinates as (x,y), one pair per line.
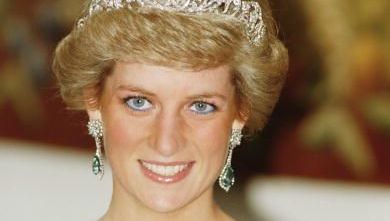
(164,205)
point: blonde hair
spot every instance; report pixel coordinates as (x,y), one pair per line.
(86,56)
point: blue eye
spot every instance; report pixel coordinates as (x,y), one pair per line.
(201,107)
(138,103)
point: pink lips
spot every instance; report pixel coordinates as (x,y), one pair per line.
(166,173)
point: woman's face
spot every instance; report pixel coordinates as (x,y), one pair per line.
(166,132)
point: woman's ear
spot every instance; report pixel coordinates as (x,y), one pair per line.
(91,104)
(238,123)
(94,114)
(241,117)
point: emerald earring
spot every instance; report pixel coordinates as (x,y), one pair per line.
(226,178)
(95,129)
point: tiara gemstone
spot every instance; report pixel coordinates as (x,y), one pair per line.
(249,13)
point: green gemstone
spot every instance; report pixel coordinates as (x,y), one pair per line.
(96,165)
(228,177)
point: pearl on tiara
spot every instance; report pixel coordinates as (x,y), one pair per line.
(247,12)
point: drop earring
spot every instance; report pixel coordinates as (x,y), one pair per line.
(95,129)
(226,178)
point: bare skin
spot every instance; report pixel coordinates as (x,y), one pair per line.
(209,212)
(158,116)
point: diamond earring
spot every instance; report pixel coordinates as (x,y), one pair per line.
(226,178)
(95,129)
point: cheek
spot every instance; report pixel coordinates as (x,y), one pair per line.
(116,130)
(212,141)
(119,134)
(115,140)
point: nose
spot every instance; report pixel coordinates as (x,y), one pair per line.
(167,138)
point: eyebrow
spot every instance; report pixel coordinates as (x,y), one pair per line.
(148,93)
(135,89)
(208,95)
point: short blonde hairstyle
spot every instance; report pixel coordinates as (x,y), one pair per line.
(86,56)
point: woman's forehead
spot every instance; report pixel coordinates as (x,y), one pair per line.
(157,78)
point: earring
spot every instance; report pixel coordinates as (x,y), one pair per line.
(226,178)
(95,129)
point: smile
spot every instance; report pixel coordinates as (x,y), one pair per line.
(166,172)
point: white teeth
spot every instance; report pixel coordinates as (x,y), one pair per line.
(164,170)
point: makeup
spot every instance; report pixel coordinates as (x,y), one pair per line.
(166,173)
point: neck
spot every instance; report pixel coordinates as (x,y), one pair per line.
(125,207)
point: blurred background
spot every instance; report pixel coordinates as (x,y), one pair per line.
(324,155)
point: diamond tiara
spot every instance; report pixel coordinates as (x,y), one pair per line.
(247,12)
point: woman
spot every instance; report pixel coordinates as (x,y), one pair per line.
(168,87)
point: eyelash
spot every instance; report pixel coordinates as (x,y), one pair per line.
(127,99)
(214,106)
